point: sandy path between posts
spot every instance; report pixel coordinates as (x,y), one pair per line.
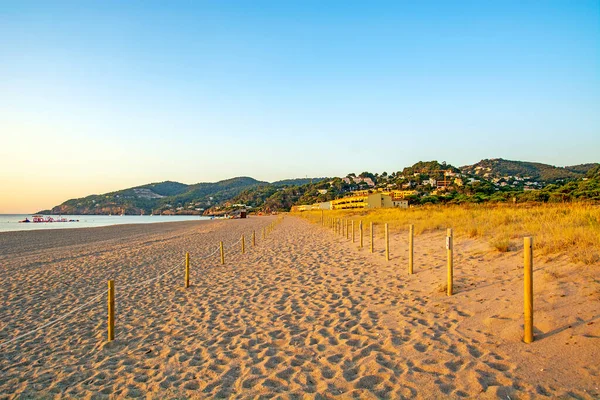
(304,312)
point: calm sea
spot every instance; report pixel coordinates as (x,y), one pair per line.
(10,222)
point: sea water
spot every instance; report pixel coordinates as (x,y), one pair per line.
(10,222)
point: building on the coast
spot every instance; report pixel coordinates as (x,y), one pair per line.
(369,200)
(362,199)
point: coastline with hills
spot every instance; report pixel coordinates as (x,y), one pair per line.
(300,200)
(495,180)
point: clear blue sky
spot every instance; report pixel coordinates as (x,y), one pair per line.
(97,96)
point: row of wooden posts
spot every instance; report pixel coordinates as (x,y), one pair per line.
(111,283)
(345,227)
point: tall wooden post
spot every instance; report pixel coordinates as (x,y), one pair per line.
(222,253)
(187,270)
(360,229)
(449,249)
(372,236)
(528,286)
(264,234)
(243,244)
(352,231)
(347,230)
(322,221)
(253,238)
(387,243)
(111,310)
(411,235)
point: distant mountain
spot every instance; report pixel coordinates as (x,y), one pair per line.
(297,181)
(500,168)
(163,197)
(176,198)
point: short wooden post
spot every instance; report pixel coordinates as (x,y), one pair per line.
(253,238)
(360,229)
(243,244)
(187,270)
(387,243)
(411,235)
(449,249)
(222,253)
(111,310)
(372,236)
(352,231)
(528,285)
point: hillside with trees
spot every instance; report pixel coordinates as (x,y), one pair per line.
(158,198)
(425,182)
(499,168)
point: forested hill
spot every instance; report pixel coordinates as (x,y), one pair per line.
(500,168)
(163,197)
(168,197)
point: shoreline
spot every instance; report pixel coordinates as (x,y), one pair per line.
(89,221)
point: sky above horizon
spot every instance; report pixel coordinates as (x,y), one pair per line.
(100,96)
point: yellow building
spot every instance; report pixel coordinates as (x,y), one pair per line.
(368,200)
(362,199)
(400,194)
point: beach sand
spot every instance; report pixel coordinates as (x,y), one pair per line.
(305,312)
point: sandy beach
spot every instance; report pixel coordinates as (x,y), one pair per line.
(304,313)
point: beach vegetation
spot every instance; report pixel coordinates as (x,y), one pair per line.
(558,228)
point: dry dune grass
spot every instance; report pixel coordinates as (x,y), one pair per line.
(573,229)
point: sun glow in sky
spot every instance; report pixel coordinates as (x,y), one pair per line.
(100,96)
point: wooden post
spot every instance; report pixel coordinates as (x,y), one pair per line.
(360,229)
(222,253)
(253,238)
(322,221)
(528,281)
(387,243)
(111,310)
(187,270)
(372,236)
(352,231)
(243,244)
(347,230)
(411,234)
(264,233)
(449,249)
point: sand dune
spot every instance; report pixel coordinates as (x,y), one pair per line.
(303,313)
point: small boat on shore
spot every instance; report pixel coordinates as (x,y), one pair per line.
(40,219)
